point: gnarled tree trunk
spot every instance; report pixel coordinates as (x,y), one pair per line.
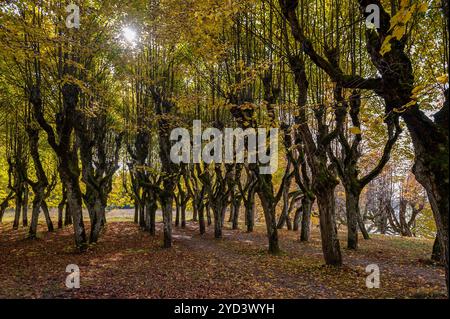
(328,229)
(305,232)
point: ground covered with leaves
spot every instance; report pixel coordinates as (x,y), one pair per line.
(129,263)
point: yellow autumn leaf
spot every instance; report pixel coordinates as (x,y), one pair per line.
(355,130)
(407,16)
(404,107)
(417,89)
(399,31)
(442,79)
(423,7)
(386,46)
(404,3)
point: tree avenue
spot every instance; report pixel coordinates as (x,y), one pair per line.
(210,118)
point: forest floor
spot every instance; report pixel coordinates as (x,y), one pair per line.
(129,263)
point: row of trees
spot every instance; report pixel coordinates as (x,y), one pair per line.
(340,91)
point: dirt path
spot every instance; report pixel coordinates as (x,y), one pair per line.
(128,263)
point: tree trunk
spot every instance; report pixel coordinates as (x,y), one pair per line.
(436,254)
(305,233)
(362,228)
(236,209)
(142,214)
(271,225)
(297,218)
(25,206)
(208,214)
(195,206)
(217,211)
(223,213)
(250,214)
(352,210)
(74,203)
(230,217)
(167,204)
(97,220)
(150,210)
(383,222)
(95,199)
(177,215)
(289,222)
(136,212)
(284,217)
(328,230)
(201,219)
(37,201)
(431,170)
(68,216)
(153,209)
(46,212)
(60,212)
(267,198)
(4,205)
(90,203)
(249,205)
(17,210)
(194,215)
(183,215)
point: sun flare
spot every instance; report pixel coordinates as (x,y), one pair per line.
(129,35)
